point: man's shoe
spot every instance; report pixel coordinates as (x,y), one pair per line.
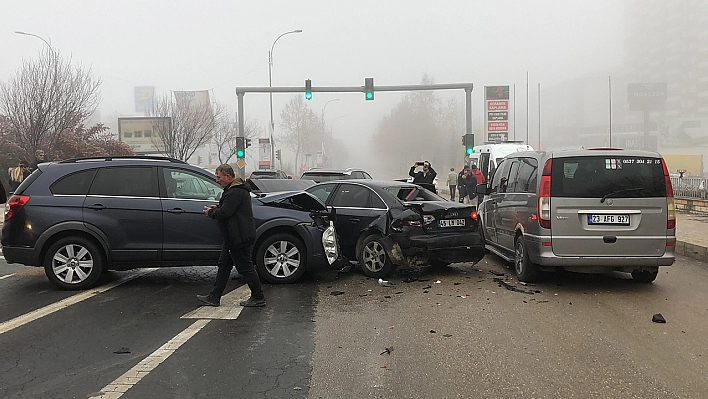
(253,303)
(209,300)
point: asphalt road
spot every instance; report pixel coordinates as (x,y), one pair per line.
(473,334)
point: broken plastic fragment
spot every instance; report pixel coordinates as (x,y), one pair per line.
(122,351)
(658,318)
(336,293)
(438,282)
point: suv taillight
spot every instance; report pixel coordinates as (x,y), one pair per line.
(14,204)
(670,207)
(544,197)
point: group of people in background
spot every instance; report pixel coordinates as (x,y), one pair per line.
(19,173)
(466,182)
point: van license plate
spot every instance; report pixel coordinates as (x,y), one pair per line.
(609,219)
(451,223)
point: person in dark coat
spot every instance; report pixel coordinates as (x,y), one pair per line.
(235,217)
(462,180)
(38,158)
(3,193)
(427,175)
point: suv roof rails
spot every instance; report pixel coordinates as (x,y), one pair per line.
(110,158)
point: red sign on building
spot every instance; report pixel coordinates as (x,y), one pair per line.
(497,105)
(497,126)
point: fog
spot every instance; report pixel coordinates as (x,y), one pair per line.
(221,45)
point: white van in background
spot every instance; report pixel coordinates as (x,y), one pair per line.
(488,155)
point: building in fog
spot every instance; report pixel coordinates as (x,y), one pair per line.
(666,41)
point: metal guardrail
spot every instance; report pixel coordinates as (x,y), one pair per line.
(690,187)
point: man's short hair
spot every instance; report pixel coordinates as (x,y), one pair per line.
(226,169)
(473,166)
(38,153)
(466,167)
(452,169)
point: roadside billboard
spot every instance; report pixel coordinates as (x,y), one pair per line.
(264,150)
(191,98)
(496,114)
(141,133)
(144,96)
(646,96)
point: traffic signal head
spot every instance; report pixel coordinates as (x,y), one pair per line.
(308,89)
(369,88)
(240,147)
(277,154)
(468,140)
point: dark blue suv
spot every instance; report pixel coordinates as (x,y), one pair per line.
(80,217)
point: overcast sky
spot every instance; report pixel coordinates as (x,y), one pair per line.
(219,45)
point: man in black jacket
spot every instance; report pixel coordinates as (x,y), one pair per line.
(427,175)
(235,216)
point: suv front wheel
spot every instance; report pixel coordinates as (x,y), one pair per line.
(73,263)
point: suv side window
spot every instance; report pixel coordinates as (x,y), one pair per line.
(352,196)
(526,179)
(74,184)
(186,185)
(126,181)
(357,175)
(322,191)
(367,176)
(501,177)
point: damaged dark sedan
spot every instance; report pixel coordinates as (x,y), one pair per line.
(387,225)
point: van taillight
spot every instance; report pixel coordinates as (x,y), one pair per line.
(544,197)
(670,207)
(14,204)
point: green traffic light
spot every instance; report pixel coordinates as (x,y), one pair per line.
(469,151)
(308,95)
(239,153)
(369,95)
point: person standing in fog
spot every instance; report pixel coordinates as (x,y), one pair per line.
(477,178)
(462,179)
(452,183)
(235,216)
(427,175)
(38,158)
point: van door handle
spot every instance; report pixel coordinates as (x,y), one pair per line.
(354,220)
(176,210)
(96,207)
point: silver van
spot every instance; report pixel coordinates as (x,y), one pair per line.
(591,210)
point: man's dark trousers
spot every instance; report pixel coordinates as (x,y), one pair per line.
(452,192)
(241,258)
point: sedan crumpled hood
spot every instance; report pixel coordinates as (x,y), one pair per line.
(301,199)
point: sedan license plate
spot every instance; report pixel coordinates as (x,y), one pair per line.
(609,219)
(451,223)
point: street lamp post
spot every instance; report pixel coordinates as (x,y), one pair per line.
(37,36)
(270,85)
(332,123)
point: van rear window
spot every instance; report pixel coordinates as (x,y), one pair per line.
(595,177)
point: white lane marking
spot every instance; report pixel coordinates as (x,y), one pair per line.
(229,309)
(64,303)
(6,276)
(122,384)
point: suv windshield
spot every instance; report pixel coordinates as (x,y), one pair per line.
(608,177)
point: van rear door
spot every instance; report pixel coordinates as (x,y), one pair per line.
(608,205)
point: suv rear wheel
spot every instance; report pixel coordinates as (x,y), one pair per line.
(281,258)
(526,271)
(73,263)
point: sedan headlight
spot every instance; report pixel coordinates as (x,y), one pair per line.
(329,242)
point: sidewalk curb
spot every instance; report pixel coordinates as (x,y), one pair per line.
(697,252)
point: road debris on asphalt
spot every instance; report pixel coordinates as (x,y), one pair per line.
(122,351)
(388,350)
(658,318)
(510,287)
(336,293)
(496,273)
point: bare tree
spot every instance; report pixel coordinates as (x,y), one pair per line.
(226,131)
(191,126)
(300,124)
(47,96)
